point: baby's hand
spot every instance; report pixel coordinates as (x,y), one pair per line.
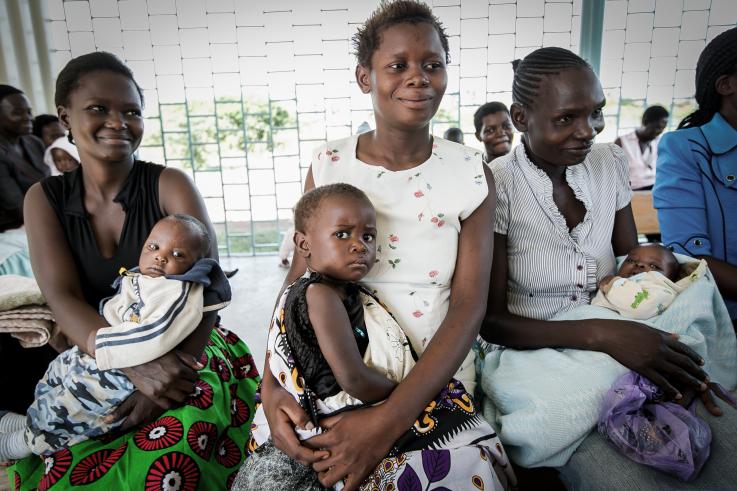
(605,283)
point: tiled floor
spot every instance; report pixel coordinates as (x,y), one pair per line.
(255,288)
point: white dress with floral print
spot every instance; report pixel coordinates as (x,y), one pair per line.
(419,213)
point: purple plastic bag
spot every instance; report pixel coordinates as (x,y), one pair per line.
(663,435)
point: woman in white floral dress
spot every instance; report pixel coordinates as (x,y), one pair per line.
(434,202)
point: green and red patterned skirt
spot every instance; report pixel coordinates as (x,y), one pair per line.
(200,445)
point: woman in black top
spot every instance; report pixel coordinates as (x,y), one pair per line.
(86,224)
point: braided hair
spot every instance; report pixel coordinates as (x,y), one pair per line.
(718,58)
(529,72)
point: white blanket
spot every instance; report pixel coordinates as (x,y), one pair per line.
(545,402)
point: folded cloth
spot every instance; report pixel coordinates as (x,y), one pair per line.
(546,401)
(17,291)
(32,326)
(23,311)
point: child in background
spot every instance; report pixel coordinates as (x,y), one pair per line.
(61,156)
(644,285)
(157,306)
(454,135)
(286,249)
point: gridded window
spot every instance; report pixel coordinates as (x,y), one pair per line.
(649,54)
(239,92)
(485,37)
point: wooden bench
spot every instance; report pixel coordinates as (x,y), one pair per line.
(646,217)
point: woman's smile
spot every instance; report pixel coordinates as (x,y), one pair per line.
(114,139)
(416,101)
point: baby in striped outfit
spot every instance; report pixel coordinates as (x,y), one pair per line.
(157,305)
(644,285)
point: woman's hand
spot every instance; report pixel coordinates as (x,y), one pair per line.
(284,414)
(137,410)
(167,380)
(654,354)
(356,442)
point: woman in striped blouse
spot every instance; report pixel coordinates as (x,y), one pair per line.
(563,212)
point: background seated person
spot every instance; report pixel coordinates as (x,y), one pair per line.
(641,147)
(48,128)
(21,156)
(454,135)
(494,129)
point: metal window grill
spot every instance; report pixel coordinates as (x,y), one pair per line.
(649,54)
(239,92)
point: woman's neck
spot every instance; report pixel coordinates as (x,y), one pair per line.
(395,149)
(556,173)
(104,179)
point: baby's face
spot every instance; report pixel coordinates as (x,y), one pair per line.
(63,161)
(649,258)
(171,249)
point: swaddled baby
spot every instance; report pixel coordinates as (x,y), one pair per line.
(644,285)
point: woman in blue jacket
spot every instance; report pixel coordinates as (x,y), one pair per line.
(696,184)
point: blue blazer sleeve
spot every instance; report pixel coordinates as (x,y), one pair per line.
(678,196)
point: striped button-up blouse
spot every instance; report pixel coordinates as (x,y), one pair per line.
(551,269)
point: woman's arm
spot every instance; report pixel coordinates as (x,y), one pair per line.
(335,336)
(358,440)
(650,352)
(282,412)
(55,271)
(624,232)
(679,196)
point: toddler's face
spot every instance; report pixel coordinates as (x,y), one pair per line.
(649,258)
(171,249)
(341,237)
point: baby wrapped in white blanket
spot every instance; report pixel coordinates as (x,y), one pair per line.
(545,402)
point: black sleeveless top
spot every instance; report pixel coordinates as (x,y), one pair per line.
(140,200)
(302,339)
